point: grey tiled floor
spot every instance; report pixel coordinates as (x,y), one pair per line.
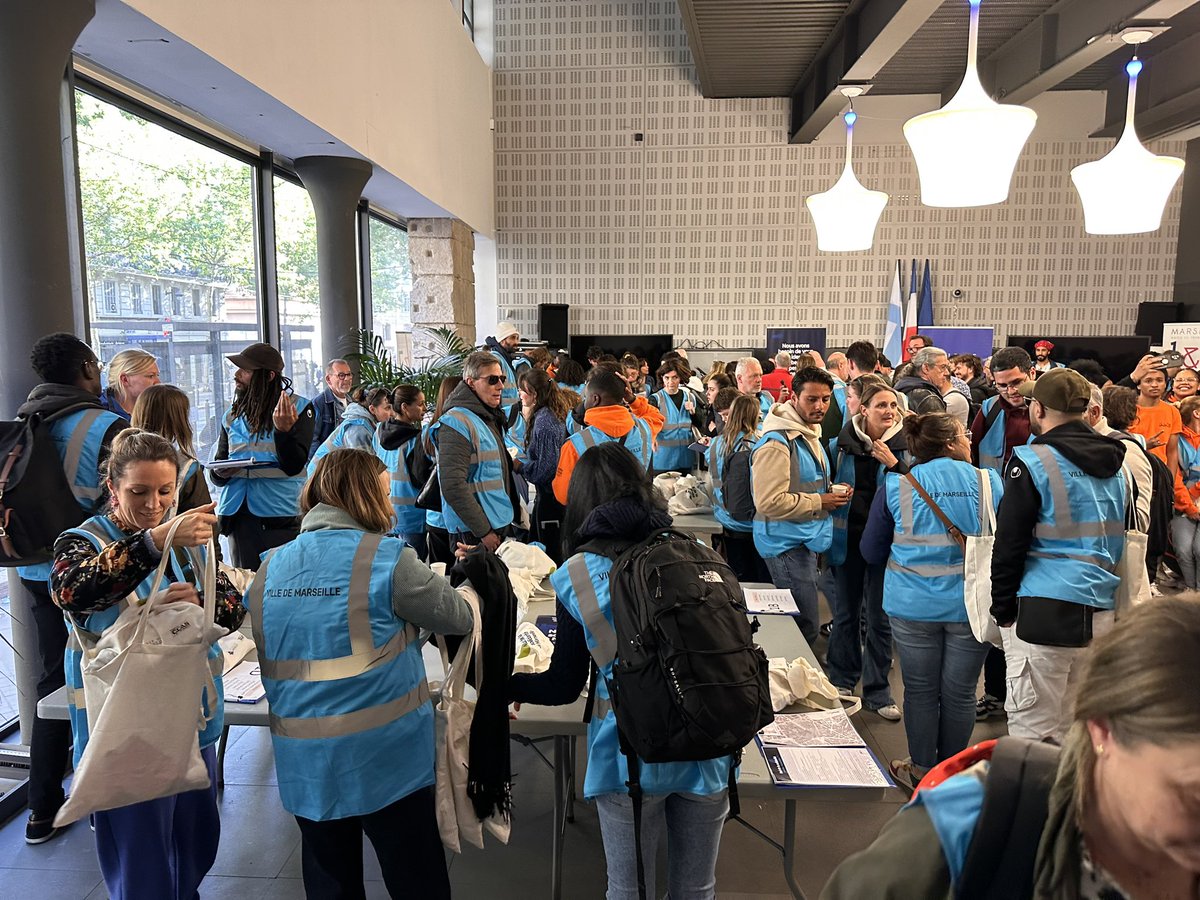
(259,856)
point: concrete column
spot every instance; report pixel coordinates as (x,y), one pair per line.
(37,292)
(335,184)
(1187,260)
(442,254)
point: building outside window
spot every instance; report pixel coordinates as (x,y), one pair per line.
(391,284)
(299,296)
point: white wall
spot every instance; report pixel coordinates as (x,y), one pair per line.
(701,230)
(399,81)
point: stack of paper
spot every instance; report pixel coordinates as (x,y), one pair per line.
(243,683)
(819,749)
(771,602)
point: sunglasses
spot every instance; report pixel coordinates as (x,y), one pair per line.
(494,380)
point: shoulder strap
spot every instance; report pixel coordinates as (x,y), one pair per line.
(1016,800)
(991,417)
(937,511)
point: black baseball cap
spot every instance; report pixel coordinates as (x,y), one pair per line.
(258,356)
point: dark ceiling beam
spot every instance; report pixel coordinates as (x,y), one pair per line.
(687,10)
(1067,39)
(1168,94)
(868,35)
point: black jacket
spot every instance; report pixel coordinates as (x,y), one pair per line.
(922,396)
(454,460)
(1097,455)
(866,469)
(394,435)
(327,413)
(980,389)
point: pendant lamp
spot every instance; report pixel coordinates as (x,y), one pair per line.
(967,150)
(847,213)
(1126,191)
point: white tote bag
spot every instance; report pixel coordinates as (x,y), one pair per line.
(144,680)
(456,816)
(977,570)
(1134,587)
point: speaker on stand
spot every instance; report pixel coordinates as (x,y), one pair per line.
(554,325)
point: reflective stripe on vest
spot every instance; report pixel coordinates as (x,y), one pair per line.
(86,493)
(807,474)
(360,720)
(485,476)
(637,440)
(268,491)
(603,633)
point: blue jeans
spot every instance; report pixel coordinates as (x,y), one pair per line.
(940,663)
(693,825)
(797,569)
(859,592)
(1185,535)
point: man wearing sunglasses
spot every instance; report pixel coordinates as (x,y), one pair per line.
(474,469)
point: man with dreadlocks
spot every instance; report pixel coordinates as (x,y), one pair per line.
(271,428)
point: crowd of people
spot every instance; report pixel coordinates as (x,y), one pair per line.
(841,476)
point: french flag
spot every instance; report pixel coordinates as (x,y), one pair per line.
(910,311)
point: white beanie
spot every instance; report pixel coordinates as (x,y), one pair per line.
(506,330)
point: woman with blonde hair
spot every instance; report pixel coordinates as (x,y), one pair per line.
(336,614)
(163,409)
(129,373)
(1113,814)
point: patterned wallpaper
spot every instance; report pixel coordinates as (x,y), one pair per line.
(699,228)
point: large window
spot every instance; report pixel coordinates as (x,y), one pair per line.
(299,296)
(391,284)
(171,219)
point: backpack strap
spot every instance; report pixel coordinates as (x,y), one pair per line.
(1004,844)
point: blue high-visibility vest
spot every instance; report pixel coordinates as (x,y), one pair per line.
(1189,462)
(639,440)
(846,469)
(406,518)
(357,429)
(512,371)
(991,446)
(671,450)
(267,492)
(101,531)
(79,440)
(351,721)
(582,589)
(1080,533)
(485,476)
(924,578)
(718,459)
(774,537)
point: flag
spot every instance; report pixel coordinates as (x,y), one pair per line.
(893,346)
(910,311)
(925,307)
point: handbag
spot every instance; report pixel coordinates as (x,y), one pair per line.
(144,680)
(1134,587)
(456,816)
(977,570)
(430,497)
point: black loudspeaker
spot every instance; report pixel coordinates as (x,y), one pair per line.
(1151,317)
(554,324)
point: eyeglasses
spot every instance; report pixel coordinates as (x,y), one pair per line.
(340,375)
(1011,386)
(967,433)
(494,380)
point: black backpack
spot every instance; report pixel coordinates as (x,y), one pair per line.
(1016,800)
(36,501)
(737,493)
(689,682)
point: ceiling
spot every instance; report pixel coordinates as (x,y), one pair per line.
(808,50)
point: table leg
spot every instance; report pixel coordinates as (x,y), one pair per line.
(222,744)
(560,764)
(570,784)
(789,848)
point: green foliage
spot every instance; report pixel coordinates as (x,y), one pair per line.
(377,368)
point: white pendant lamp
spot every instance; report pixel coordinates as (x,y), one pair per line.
(847,213)
(1126,191)
(967,150)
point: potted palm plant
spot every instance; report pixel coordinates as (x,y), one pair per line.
(376,367)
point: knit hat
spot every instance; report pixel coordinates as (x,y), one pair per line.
(1064,390)
(506,330)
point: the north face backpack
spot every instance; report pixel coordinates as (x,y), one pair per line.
(36,502)
(688,682)
(737,493)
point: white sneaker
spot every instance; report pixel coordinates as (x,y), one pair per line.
(891,712)
(1154,591)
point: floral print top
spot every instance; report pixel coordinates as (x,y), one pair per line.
(84,581)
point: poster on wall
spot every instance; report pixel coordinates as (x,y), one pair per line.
(1184,337)
(795,340)
(962,340)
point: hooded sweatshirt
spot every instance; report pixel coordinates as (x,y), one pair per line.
(47,399)
(616,422)
(770,467)
(454,460)
(1096,455)
(358,437)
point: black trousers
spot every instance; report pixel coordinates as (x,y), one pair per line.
(743,557)
(251,536)
(995,674)
(405,838)
(438,546)
(50,743)
(547,522)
